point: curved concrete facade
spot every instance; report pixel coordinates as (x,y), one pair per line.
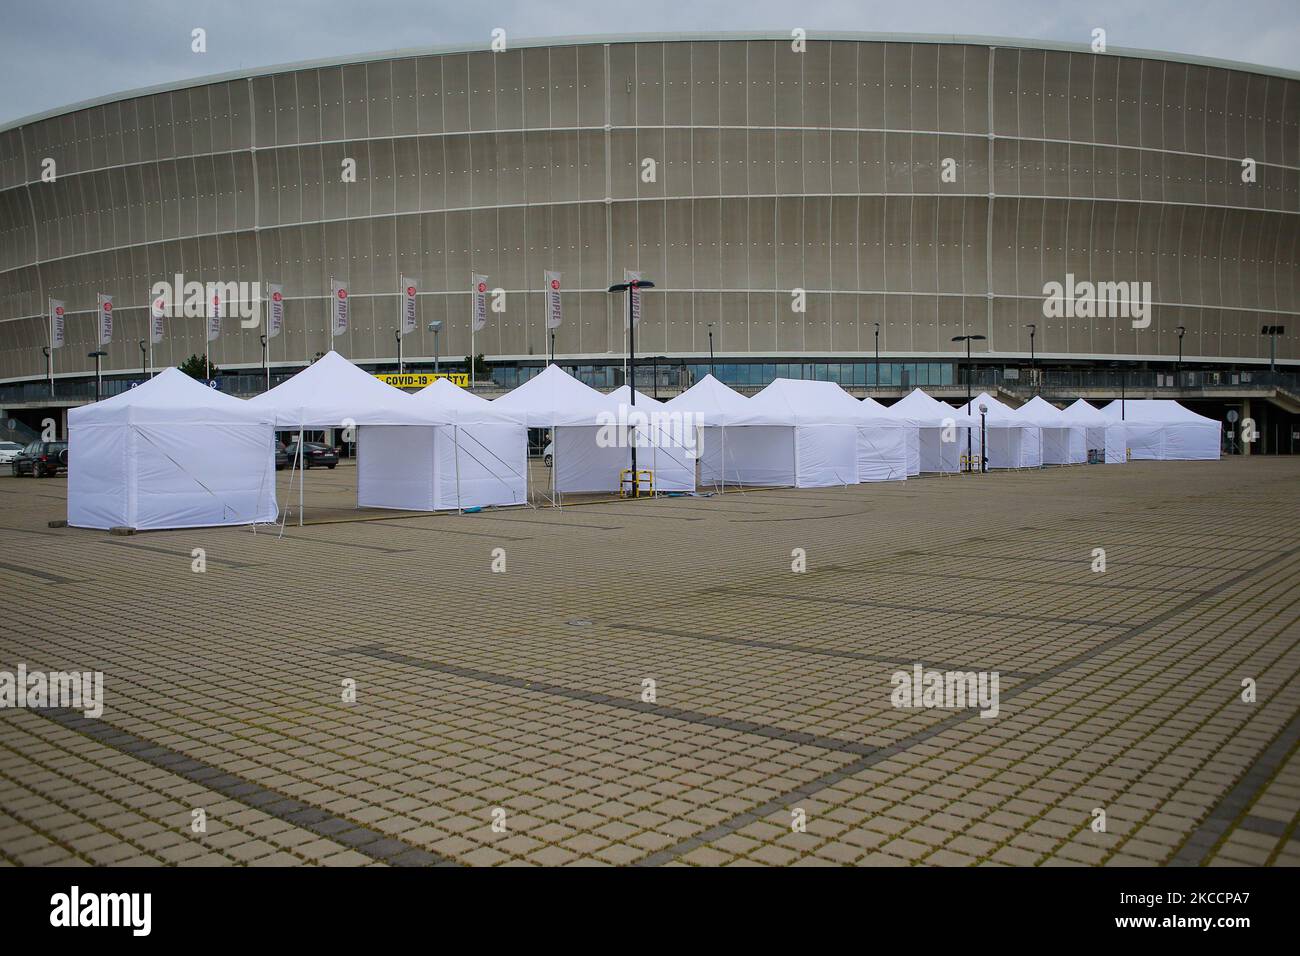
(773,171)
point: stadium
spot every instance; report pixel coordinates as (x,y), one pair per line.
(843,207)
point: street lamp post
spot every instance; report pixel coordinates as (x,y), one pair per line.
(1033,359)
(49,365)
(630,288)
(984,440)
(1178,369)
(434,326)
(1272,331)
(266,362)
(968,339)
(876,384)
(144,358)
(711,372)
(397,334)
(98,379)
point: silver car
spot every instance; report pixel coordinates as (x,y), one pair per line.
(9,451)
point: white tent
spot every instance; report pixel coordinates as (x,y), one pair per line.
(1061,441)
(1100,434)
(331,393)
(170,453)
(666,442)
(822,445)
(942,431)
(583,460)
(1163,430)
(911,434)
(480,459)
(740,444)
(1013,441)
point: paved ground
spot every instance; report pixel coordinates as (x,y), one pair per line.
(522,692)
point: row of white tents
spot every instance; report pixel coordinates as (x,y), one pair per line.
(172,453)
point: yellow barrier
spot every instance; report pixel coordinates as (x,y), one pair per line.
(641,478)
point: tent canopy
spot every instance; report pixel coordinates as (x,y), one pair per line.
(170,397)
(462,405)
(1043,414)
(807,402)
(332,391)
(927,411)
(718,404)
(1083,413)
(997,414)
(1154,411)
(553,397)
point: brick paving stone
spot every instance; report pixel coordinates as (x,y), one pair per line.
(1113,684)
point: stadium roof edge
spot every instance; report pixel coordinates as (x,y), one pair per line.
(685,37)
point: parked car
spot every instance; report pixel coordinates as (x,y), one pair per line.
(281,456)
(317,454)
(548,454)
(9,451)
(41,459)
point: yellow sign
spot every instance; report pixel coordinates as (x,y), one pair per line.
(421,379)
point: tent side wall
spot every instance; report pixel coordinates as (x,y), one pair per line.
(98,475)
(395,467)
(883,453)
(759,455)
(487,462)
(581,464)
(826,455)
(190,476)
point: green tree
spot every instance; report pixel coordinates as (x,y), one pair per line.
(480,366)
(194,367)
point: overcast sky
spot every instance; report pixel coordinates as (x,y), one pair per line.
(57,52)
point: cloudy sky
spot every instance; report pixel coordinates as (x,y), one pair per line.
(57,52)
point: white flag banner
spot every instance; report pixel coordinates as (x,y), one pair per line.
(629,276)
(215,307)
(57,318)
(104,316)
(338,308)
(157,312)
(408,306)
(479,313)
(553,316)
(275,311)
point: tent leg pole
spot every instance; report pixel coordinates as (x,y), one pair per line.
(455,439)
(302,460)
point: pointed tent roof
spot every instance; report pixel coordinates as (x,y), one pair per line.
(170,396)
(718,404)
(998,413)
(462,404)
(1043,414)
(1085,414)
(808,402)
(922,409)
(1155,411)
(623,395)
(554,397)
(332,390)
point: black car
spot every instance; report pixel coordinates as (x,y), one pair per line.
(281,456)
(317,454)
(42,459)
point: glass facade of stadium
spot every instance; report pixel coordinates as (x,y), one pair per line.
(912,190)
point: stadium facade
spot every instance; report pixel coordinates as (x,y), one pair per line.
(902,190)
